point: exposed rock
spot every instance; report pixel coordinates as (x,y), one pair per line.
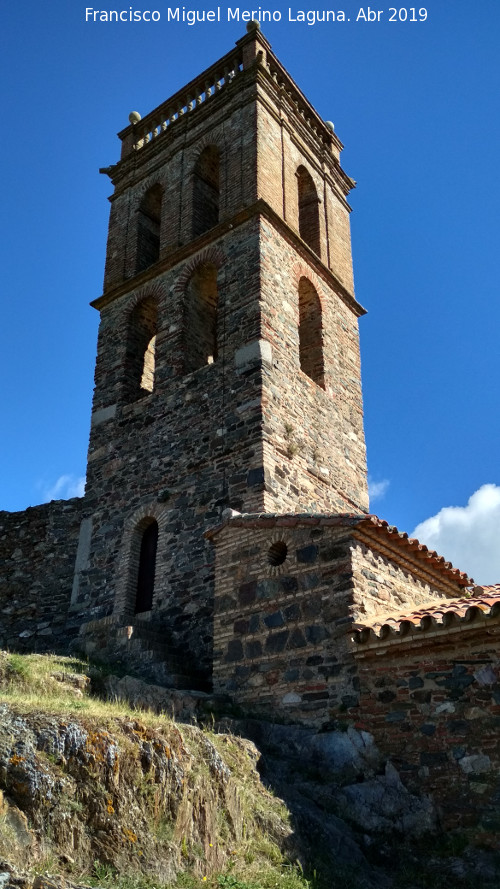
(183,705)
(384,804)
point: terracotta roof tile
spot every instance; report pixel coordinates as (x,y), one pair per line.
(483,603)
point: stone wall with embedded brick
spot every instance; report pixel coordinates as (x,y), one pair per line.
(37,559)
(281,642)
(314,446)
(390,577)
(249,429)
(179,454)
(434,709)
(288,590)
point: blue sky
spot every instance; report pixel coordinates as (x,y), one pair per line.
(416,105)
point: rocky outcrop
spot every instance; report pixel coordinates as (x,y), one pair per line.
(158,799)
(141,795)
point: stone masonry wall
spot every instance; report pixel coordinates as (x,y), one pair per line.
(288,590)
(37,560)
(194,445)
(280,632)
(391,581)
(435,711)
(189,448)
(315,457)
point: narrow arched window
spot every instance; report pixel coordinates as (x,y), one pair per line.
(310,333)
(148,367)
(206,191)
(147,568)
(200,318)
(148,229)
(140,361)
(308,210)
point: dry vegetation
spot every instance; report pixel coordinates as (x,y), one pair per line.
(96,793)
(179,806)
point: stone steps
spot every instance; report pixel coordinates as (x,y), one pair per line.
(152,658)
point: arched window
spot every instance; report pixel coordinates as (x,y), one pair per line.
(200,318)
(148,229)
(147,568)
(141,347)
(310,333)
(148,367)
(308,210)
(206,191)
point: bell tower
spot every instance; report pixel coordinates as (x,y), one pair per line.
(227,370)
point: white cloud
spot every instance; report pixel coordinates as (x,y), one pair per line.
(65,487)
(376,490)
(468,536)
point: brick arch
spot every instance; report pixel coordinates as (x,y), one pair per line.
(150,182)
(213,255)
(150,510)
(134,526)
(139,323)
(214,137)
(155,290)
(301,270)
(311,331)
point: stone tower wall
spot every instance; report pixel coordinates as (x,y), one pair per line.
(184,451)
(314,446)
(251,430)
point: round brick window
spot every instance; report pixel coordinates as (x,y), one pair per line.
(278,552)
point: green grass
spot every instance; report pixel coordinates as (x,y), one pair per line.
(35,682)
(247,836)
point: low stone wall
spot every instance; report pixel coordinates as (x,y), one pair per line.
(435,711)
(37,560)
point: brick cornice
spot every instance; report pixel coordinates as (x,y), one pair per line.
(461,632)
(259,208)
(370,530)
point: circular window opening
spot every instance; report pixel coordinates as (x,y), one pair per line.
(277,553)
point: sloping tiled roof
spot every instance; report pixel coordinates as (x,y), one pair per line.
(362,522)
(482,604)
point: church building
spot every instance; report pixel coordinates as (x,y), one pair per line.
(224,541)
